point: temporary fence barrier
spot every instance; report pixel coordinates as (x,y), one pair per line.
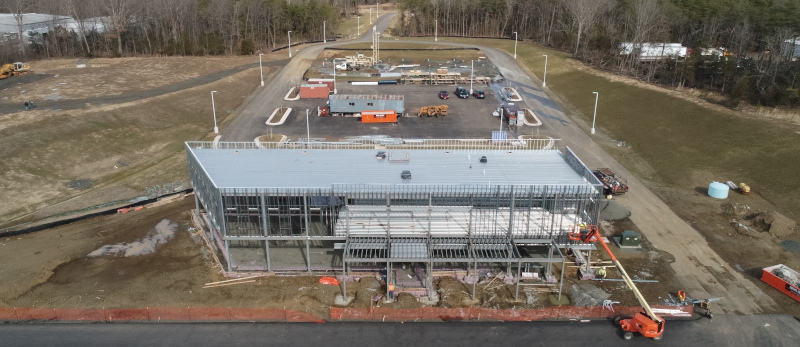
(375,314)
(381,314)
(158,314)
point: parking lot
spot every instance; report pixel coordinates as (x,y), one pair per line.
(467,118)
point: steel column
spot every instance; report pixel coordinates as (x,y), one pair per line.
(308,228)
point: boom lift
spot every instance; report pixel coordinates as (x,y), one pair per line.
(646,322)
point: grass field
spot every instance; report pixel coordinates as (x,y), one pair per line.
(417,53)
(347,27)
(678,139)
(121,148)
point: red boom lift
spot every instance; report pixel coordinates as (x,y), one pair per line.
(646,322)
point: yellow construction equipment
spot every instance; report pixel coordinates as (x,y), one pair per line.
(433,111)
(744,188)
(15,69)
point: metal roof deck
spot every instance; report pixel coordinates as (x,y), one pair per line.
(366,97)
(325,168)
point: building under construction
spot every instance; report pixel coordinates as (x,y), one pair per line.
(365,206)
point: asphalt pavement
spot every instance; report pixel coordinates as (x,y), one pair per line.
(724,330)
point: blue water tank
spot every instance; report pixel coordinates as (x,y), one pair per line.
(718,190)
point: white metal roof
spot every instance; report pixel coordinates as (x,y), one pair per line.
(323,168)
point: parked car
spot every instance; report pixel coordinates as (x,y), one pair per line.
(479,94)
(461,93)
(444,95)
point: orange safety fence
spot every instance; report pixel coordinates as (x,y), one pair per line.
(157,314)
(378,314)
(476,313)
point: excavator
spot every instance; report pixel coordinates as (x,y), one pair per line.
(15,69)
(646,322)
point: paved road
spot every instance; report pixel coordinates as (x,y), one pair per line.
(702,271)
(767,330)
(250,122)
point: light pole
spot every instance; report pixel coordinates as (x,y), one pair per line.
(544,81)
(435,30)
(214,108)
(377,9)
(324,37)
(308,130)
(334,77)
(370,15)
(358,25)
(261,68)
(501,118)
(596,96)
(515,45)
(471,76)
(290,42)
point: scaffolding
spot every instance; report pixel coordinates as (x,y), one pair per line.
(263,222)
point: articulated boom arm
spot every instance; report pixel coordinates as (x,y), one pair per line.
(592,234)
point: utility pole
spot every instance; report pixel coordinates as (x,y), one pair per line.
(324,37)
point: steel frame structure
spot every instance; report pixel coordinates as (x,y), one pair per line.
(386,223)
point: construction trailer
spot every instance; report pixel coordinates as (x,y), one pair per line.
(354,104)
(314,91)
(367,206)
(383,116)
(326,81)
(653,51)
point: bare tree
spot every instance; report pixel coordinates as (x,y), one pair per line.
(585,13)
(18,8)
(118,12)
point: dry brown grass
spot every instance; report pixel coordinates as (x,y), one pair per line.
(123,148)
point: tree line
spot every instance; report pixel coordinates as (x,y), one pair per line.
(757,36)
(753,39)
(172,27)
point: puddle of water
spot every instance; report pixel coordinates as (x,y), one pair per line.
(163,232)
(791,246)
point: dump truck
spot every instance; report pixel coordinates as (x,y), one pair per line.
(613,183)
(433,111)
(15,69)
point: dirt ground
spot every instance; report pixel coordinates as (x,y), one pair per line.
(53,268)
(107,77)
(736,228)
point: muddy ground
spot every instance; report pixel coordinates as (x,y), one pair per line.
(59,268)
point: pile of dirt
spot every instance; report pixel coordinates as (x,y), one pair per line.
(774,223)
(759,224)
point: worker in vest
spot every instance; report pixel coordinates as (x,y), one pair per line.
(390,290)
(602,273)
